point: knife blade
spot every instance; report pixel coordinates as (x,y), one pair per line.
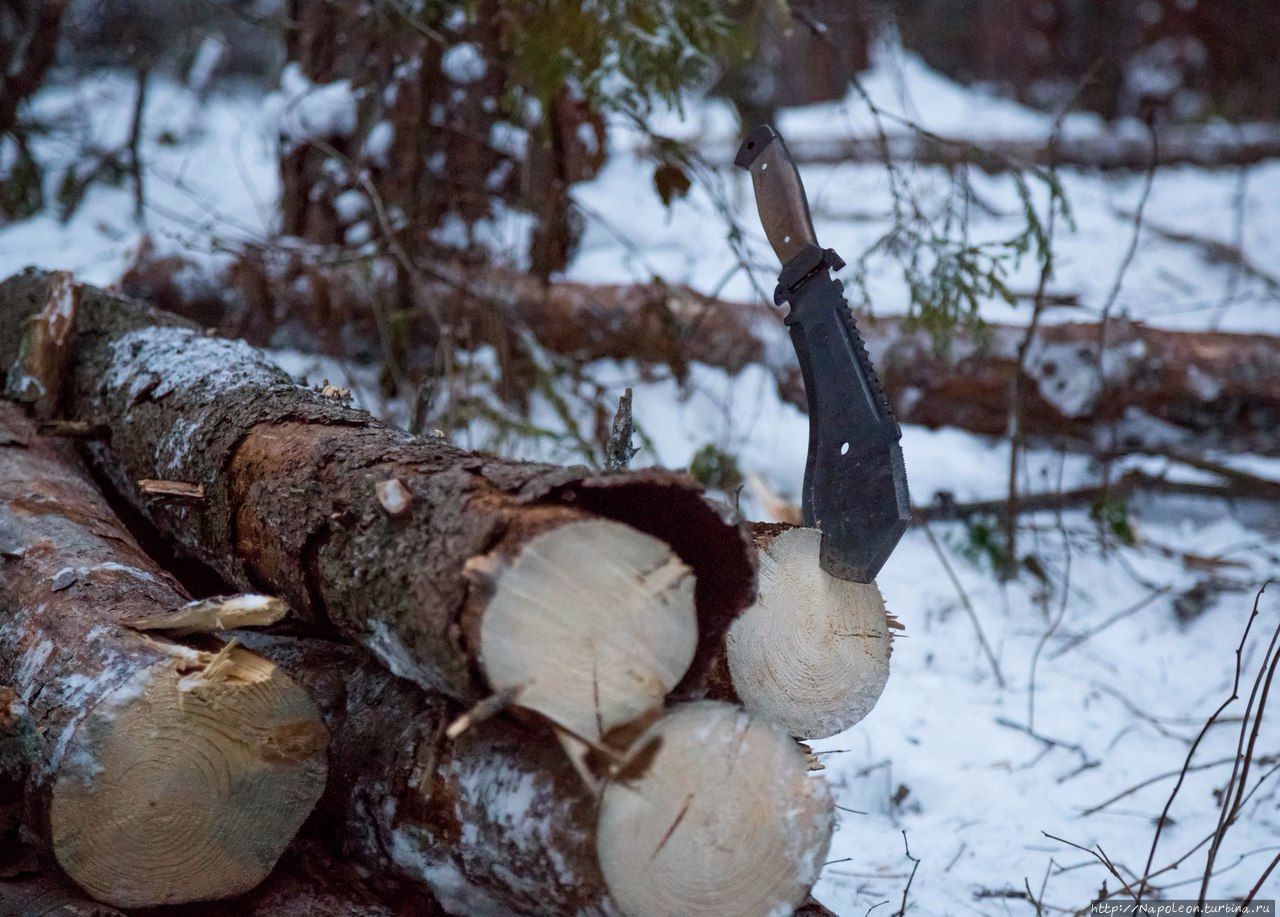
(855,483)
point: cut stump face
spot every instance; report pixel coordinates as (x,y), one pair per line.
(812,653)
(187,782)
(591,624)
(721,816)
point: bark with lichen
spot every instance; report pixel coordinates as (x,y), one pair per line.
(493,822)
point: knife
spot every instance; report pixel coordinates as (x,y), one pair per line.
(855,485)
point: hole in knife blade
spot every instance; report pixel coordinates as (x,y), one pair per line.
(844,448)
(763,167)
(786,239)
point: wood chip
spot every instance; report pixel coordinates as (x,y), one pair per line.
(223,612)
(393,496)
(177,490)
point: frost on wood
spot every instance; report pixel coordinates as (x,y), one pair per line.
(164,774)
(591,624)
(812,653)
(718,815)
(291,499)
(495,822)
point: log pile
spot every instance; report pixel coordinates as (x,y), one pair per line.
(437,681)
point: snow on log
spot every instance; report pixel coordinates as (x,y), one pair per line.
(723,817)
(164,774)
(497,821)
(292,506)
(812,652)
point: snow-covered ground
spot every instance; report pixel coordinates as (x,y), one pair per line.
(1103,684)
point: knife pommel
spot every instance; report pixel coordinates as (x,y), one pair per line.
(780,198)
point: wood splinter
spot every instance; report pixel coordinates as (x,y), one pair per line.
(207,616)
(176,490)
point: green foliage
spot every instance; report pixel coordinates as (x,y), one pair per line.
(622,54)
(1113,516)
(947,273)
(983,545)
(716,469)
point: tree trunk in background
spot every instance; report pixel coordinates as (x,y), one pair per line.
(1217,386)
(28,46)
(801,58)
(432,129)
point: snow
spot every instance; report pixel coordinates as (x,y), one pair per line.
(307,111)
(464,64)
(946,756)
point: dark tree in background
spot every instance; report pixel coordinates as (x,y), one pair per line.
(28,48)
(465,107)
(793,54)
(1180,59)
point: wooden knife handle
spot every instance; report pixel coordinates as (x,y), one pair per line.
(780,197)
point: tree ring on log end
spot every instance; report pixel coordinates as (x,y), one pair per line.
(721,816)
(591,624)
(812,652)
(188,781)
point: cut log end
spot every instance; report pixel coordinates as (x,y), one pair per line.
(591,624)
(812,653)
(188,781)
(720,816)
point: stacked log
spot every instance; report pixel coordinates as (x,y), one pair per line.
(364,529)
(457,623)
(143,755)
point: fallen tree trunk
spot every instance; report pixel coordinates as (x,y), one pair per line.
(1108,150)
(463,572)
(497,822)
(1222,385)
(160,773)
(1219,386)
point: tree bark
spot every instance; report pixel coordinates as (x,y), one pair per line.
(160,773)
(496,821)
(48,895)
(292,505)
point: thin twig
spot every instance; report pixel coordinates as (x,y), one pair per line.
(968,606)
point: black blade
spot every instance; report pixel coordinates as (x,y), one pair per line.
(855,484)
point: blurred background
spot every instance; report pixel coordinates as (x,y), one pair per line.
(1061,218)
